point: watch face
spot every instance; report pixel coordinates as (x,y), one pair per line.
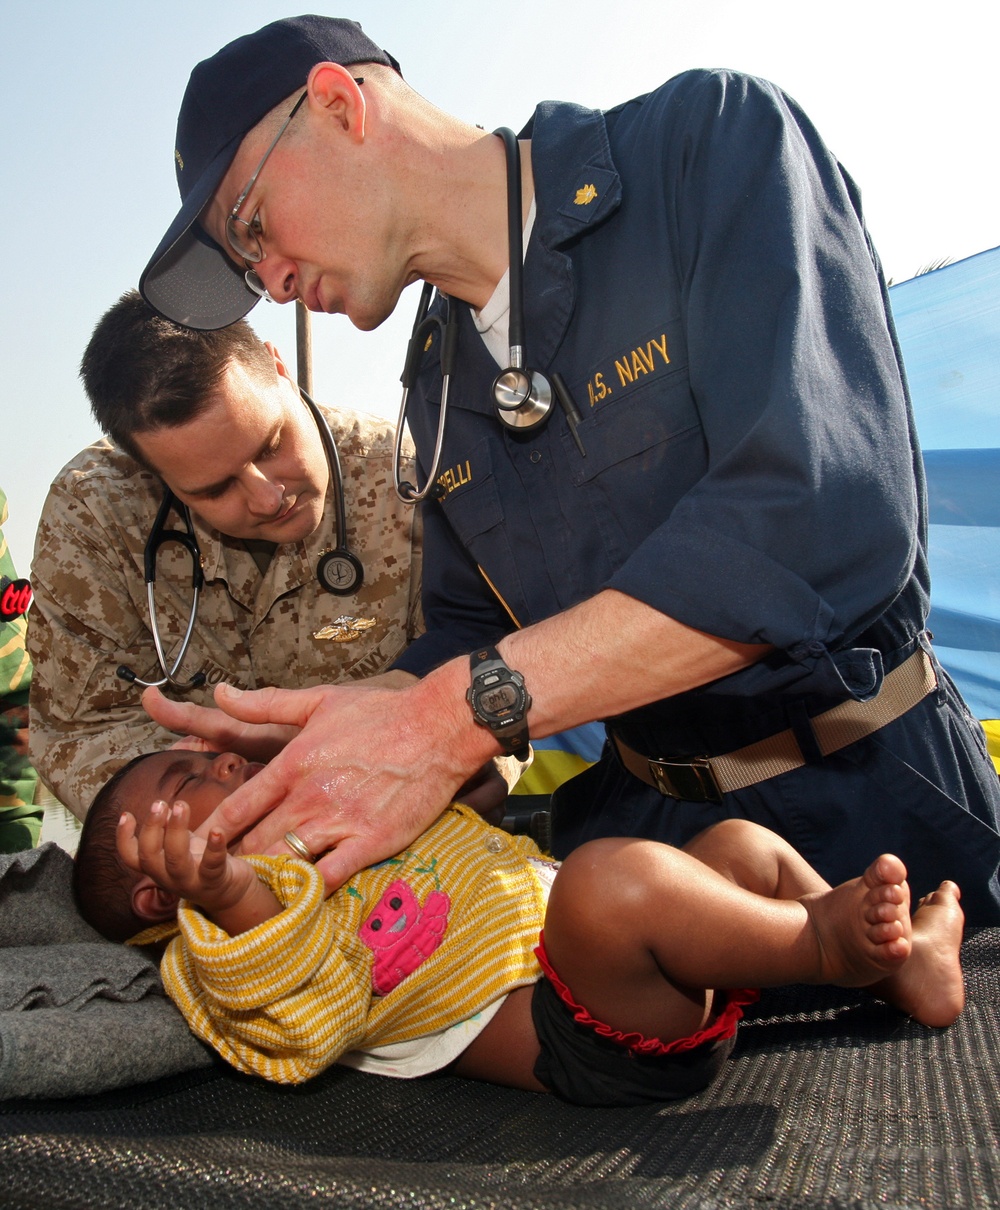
(498,700)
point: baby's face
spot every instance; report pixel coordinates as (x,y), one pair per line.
(201,779)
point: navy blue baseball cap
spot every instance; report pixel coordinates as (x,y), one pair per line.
(189,278)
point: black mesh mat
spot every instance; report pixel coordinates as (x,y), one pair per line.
(831,1100)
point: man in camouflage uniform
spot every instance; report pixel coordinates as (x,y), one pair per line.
(263,618)
(20,819)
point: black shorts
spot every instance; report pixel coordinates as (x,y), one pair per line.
(579,1065)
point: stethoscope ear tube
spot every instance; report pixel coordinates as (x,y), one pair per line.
(159,535)
(449,342)
(422,328)
(415,345)
(339,570)
(515,246)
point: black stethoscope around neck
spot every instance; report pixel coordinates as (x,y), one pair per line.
(522,397)
(339,570)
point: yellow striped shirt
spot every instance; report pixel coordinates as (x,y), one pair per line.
(287,998)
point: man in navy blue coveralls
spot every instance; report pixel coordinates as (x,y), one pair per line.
(732,546)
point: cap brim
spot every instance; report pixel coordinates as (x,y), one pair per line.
(189,279)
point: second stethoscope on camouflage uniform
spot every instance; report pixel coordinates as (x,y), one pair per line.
(338,571)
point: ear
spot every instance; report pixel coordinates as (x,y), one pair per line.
(279,362)
(150,902)
(334,91)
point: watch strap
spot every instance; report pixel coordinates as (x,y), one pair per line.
(506,718)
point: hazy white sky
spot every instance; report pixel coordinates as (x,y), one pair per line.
(904,93)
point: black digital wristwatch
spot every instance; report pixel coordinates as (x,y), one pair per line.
(499,700)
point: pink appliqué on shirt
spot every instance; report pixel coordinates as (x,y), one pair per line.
(401,934)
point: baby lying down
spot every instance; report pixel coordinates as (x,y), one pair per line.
(615,978)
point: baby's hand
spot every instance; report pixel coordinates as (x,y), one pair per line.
(202,871)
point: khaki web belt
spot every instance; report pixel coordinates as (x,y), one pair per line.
(707,778)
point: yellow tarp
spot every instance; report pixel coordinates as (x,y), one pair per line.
(992,729)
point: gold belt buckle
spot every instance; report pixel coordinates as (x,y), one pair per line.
(690,780)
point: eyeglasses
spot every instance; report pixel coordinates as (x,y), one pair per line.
(243,238)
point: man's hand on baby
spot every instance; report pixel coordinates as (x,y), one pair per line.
(208,729)
(201,870)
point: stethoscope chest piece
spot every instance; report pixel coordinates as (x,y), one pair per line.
(523,398)
(340,572)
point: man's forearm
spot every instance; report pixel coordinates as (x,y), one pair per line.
(605,656)
(373,767)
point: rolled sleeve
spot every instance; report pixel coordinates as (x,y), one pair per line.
(279,1000)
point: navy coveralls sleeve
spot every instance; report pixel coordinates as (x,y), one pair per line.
(700,275)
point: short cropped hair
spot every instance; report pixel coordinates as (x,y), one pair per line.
(142,372)
(102,883)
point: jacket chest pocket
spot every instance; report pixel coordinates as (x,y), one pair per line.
(643,455)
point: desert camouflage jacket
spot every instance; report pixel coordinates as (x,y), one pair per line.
(253,629)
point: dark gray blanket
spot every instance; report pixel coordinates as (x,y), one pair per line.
(831,1101)
(78,1014)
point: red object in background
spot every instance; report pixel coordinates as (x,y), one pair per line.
(15,599)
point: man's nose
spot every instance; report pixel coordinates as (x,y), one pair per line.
(280,276)
(264,498)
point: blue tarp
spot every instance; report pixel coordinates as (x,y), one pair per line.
(949,329)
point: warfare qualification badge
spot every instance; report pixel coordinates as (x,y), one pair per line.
(344,629)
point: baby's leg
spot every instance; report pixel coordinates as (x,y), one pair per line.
(756,859)
(929,986)
(641,933)
(748,855)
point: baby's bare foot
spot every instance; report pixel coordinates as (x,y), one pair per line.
(930,986)
(863,926)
